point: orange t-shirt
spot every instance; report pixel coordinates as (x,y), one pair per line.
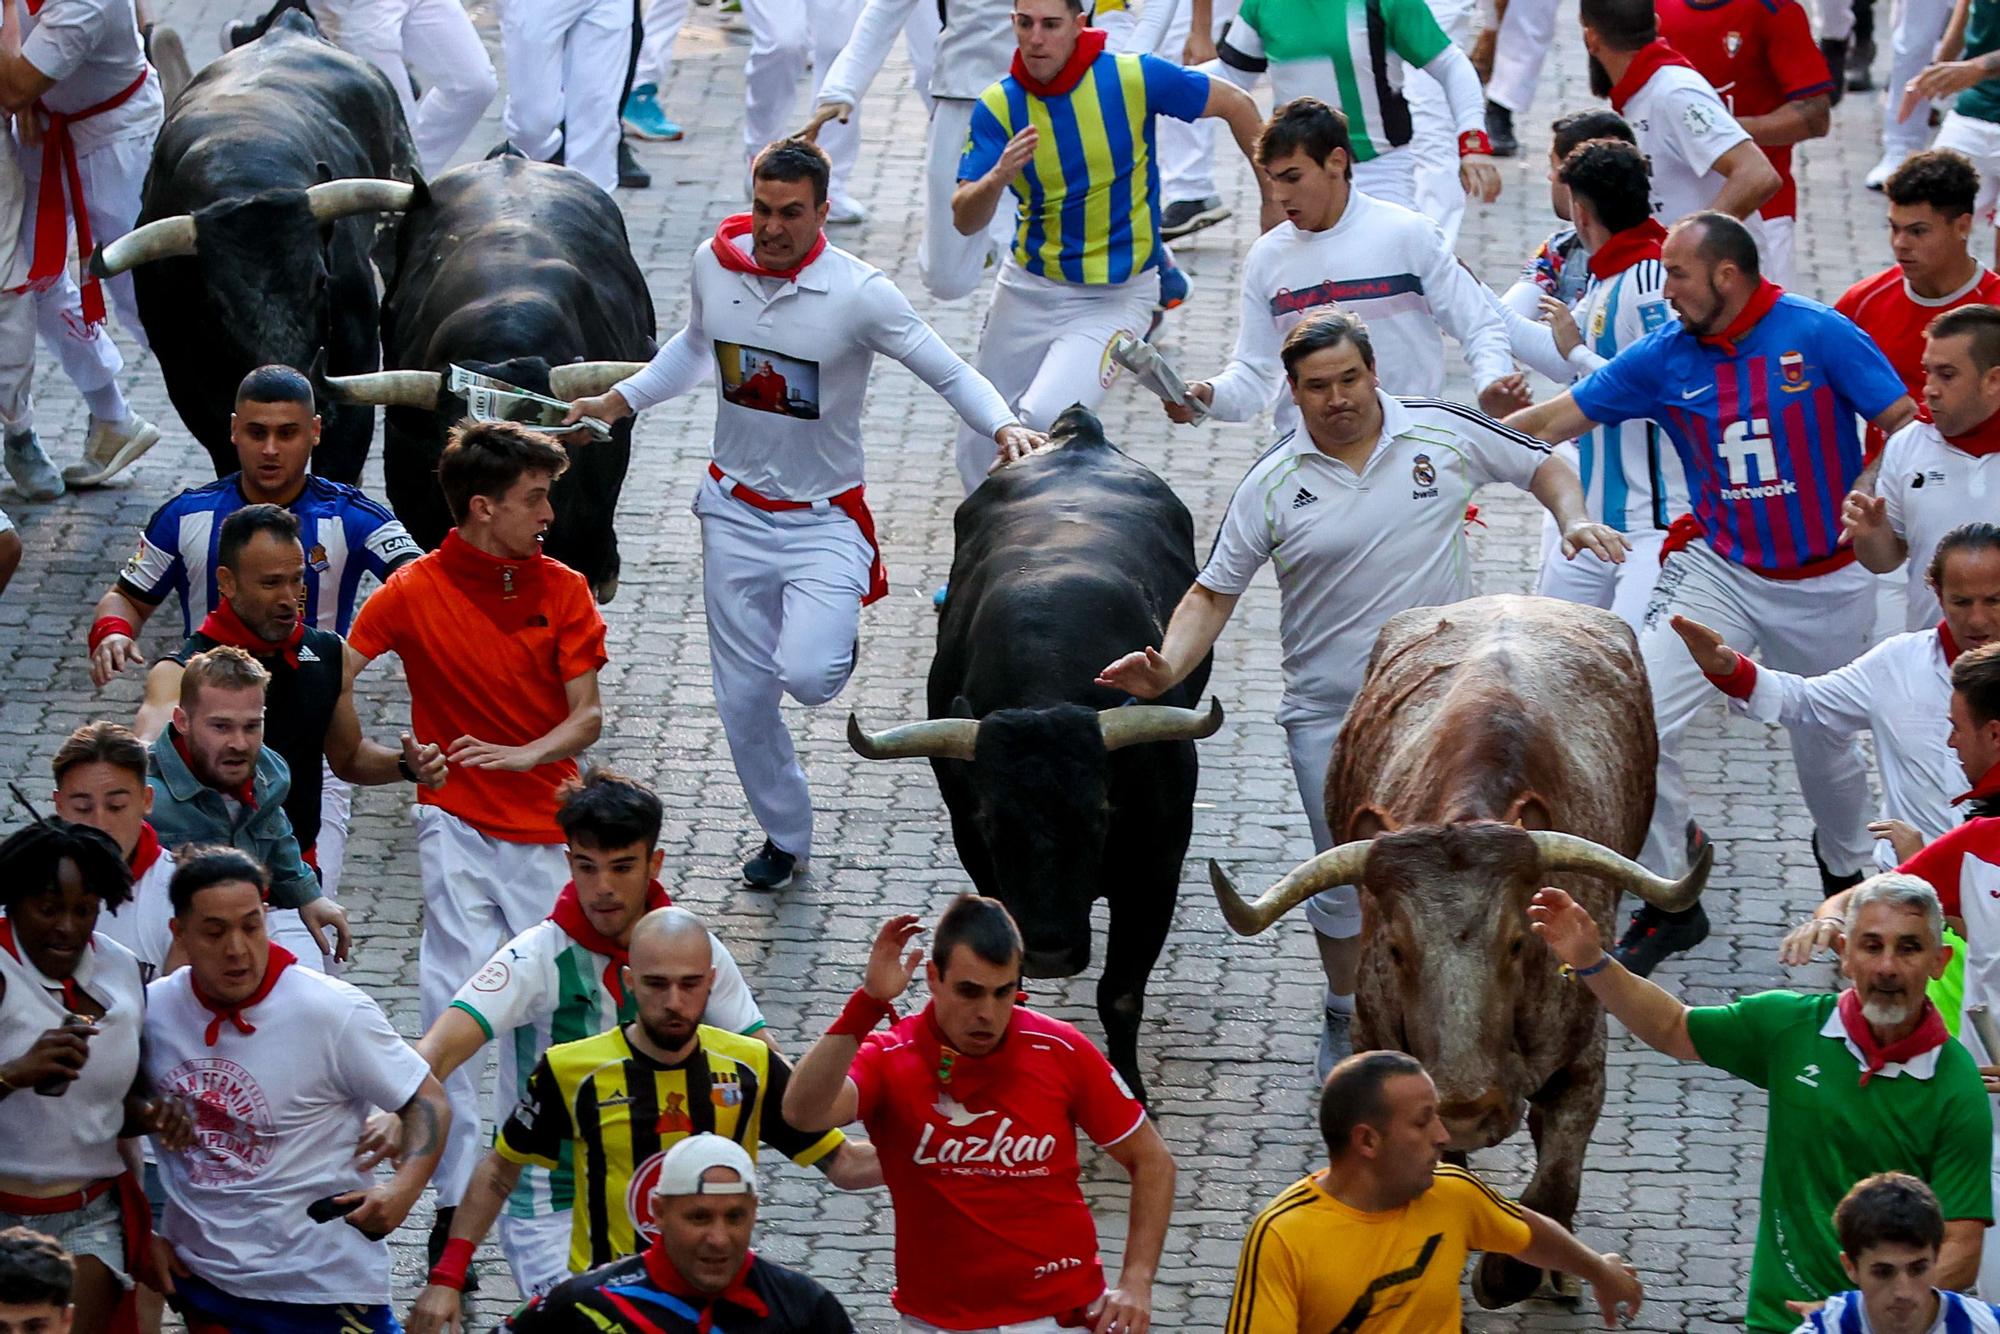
(487,645)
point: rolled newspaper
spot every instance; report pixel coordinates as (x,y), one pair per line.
(491,400)
(1152,370)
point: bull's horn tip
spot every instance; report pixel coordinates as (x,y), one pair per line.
(98,269)
(1213,723)
(1240,916)
(856,738)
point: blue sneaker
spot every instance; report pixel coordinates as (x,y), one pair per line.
(644,119)
(1175,288)
(938,598)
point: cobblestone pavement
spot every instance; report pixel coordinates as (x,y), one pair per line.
(1229,1035)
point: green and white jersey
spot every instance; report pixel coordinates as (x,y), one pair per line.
(544,988)
(1352,54)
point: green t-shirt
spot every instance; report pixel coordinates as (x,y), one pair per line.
(1982,33)
(1825,1132)
(1365,40)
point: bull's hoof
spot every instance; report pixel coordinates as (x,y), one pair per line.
(1501,1280)
(606,590)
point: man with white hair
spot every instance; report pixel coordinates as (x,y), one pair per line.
(1860,1083)
(699,1263)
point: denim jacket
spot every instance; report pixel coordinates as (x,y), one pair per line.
(187,810)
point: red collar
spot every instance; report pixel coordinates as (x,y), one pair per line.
(1647,61)
(570,917)
(1756,308)
(1627,248)
(509,591)
(224,626)
(281,959)
(72,992)
(1089,46)
(739,1293)
(1980,441)
(1930,1034)
(247,794)
(730,255)
(1986,788)
(145,852)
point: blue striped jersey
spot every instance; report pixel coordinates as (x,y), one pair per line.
(344,534)
(1957,1314)
(1090,197)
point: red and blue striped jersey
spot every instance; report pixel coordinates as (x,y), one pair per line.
(1767,434)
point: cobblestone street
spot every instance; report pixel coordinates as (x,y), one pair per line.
(1231,1025)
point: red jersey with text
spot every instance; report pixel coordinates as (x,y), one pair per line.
(979,1154)
(1759,55)
(1895,317)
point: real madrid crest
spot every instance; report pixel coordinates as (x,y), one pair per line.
(1421,471)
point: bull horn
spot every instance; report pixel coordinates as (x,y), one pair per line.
(1336,866)
(1137,724)
(936,739)
(387,389)
(586,379)
(1567,852)
(343,198)
(167,238)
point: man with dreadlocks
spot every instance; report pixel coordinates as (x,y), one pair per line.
(71,1010)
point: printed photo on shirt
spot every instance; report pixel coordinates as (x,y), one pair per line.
(755,377)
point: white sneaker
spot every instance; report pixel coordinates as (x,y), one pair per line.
(845,212)
(111,448)
(1879,174)
(28,464)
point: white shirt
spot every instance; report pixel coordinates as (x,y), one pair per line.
(74,1138)
(277,1116)
(91,48)
(1931,488)
(1901,691)
(817,336)
(974,48)
(1682,128)
(1384,263)
(140,925)
(1351,550)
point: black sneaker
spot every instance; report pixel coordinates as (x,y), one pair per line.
(1652,936)
(238,32)
(1834,50)
(631,175)
(1500,130)
(771,868)
(1184,216)
(1829,883)
(1860,67)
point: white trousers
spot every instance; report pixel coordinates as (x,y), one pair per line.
(1919,27)
(336,802)
(1334,913)
(1048,345)
(537,1250)
(920,38)
(1527,31)
(1187,150)
(1595,582)
(1777,248)
(953,265)
(664,20)
(783,593)
(436,39)
(1980,141)
(1807,626)
(1433,141)
(565,67)
(1391,176)
(479,893)
(784,36)
(1836,21)
(112,175)
(17,360)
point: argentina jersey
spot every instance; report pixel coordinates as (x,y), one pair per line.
(344,534)
(1765,426)
(1632,479)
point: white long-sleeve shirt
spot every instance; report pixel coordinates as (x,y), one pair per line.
(793,358)
(1901,691)
(1386,264)
(974,48)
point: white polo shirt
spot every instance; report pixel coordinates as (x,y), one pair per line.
(1384,263)
(1901,691)
(277,1115)
(1932,487)
(792,359)
(1353,549)
(1682,128)
(140,925)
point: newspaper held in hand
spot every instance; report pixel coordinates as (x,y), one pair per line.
(491,400)
(1151,370)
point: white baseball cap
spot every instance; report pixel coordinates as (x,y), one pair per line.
(682,1168)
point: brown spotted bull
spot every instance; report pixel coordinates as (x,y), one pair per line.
(1496,746)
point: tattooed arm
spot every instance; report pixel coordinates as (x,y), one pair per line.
(384,1206)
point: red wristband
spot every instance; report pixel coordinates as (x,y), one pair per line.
(1739,681)
(105,626)
(1474,141)
(860,1015)
(451,1266)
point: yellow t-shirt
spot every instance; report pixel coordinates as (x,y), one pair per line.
(1310,1264)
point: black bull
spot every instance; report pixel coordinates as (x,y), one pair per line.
(264,274)
(1064,562)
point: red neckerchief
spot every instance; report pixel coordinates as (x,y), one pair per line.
(1987,786)
(71,992)
(1929,1036)
(730,255)
(1647,61)
(1627,248)
(964,1074)
(1089,46)
(1980,441)
(509,591)
(1948,643)
(224,626)
(247,794)
(739,1293)
(570,917)
(281,959)
(1756,308)
(145,852)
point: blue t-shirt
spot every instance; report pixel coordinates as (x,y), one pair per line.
(1957,1314)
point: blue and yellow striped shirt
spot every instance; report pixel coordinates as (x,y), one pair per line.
(1090,197)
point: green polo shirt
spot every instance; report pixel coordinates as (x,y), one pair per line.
(1825,1131)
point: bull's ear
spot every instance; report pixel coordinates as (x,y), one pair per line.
(1529,812)
(324,170)
(961,707)
(1369,822)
